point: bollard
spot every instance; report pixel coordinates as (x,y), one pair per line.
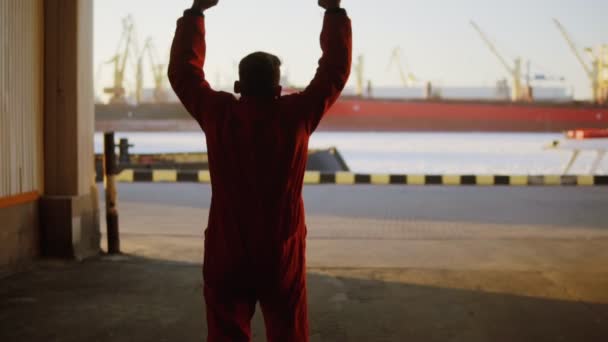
(110,171)
(123,147)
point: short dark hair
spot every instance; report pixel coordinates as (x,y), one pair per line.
(259,73)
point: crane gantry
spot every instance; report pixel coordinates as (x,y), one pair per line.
(597,70)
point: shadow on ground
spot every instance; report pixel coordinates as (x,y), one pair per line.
(139,299)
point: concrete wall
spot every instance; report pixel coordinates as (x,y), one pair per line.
(19,236)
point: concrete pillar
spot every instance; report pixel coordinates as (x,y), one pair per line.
(69,207)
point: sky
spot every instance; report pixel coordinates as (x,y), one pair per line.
(438,44)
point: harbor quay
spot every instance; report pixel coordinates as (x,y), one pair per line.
(385,263)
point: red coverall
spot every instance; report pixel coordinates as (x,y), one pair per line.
(256,234)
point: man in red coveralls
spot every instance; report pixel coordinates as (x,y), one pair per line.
(257,144)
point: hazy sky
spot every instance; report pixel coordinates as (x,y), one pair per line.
(437,41)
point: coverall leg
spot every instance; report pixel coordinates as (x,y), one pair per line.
(228,316)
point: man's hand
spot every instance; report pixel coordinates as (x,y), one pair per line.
(329,4)
(202,5)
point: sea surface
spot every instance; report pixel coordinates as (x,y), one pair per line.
(412,153)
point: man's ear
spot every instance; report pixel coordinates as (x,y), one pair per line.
(237,87)
(277,91)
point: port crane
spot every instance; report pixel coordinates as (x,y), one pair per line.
(597,71)
(117,91)
(515,71)
(158,72)
(395,59)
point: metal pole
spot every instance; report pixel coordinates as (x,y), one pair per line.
(110,171)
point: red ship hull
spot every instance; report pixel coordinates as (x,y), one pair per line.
(387,115)
(355,114)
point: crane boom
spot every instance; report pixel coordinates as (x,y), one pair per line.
(158,71)
(396,59)
(518,93)
(573,47)
(492,48)
(129,27)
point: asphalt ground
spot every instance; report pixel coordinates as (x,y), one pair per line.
(393,226)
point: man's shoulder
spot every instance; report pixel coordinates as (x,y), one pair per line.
(223,98)
(292,99)
(226,95)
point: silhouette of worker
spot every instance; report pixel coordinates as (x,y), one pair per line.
(257,144)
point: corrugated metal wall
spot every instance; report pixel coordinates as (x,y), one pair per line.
(21,96)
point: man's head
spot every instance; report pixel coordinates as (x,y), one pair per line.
(260,75)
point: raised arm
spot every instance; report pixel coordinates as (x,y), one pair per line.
(186,73)
(334,65)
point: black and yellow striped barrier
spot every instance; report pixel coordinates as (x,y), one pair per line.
(349,178)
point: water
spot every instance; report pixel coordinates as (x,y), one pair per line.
(411,153)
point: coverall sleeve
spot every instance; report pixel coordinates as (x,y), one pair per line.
(186,73)
(334,68)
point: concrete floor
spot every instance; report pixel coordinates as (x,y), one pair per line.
(138,299)
(385,264)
